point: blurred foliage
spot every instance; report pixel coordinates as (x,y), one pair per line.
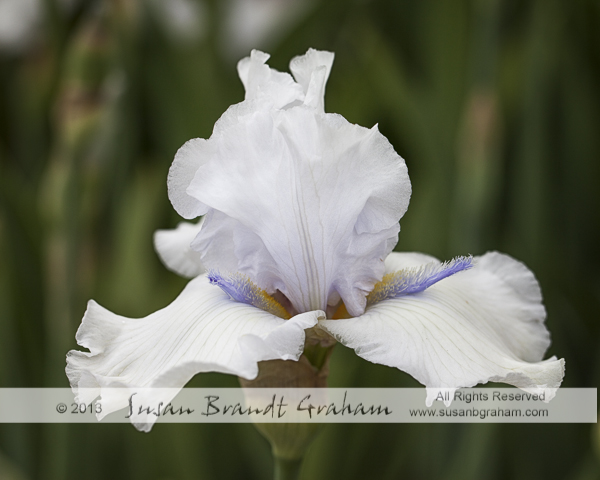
(495,105)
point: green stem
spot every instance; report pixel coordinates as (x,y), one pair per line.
(287,469)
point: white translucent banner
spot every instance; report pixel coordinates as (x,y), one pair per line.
(334,405)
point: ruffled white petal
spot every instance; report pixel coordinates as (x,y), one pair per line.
(300,201)
(202,330)
(269,88)
(266,88)
(314,202)
(188,159)
(272,88)
(173,248)
(311,71)
(484,324)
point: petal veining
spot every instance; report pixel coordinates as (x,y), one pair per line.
(202,330)
(485,324)
(319,198)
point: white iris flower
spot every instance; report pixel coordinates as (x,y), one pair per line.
(300,213)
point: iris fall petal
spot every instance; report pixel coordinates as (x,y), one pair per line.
(202,330)
(484,324)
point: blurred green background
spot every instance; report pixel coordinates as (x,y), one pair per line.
(495,105)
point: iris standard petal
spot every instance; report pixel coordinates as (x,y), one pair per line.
(320,199)
(311,71)
(266,88)
(480,325)
(266,85)
(173,248)
(202,330)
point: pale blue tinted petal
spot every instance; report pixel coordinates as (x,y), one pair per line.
(484,324)
(314,201)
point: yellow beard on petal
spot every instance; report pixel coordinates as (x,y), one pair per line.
(240,288)
(413,280)
(386,288)
(266,302)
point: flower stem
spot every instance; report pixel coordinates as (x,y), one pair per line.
(289,441)
(286,468)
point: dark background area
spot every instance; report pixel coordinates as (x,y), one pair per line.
(495,105)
